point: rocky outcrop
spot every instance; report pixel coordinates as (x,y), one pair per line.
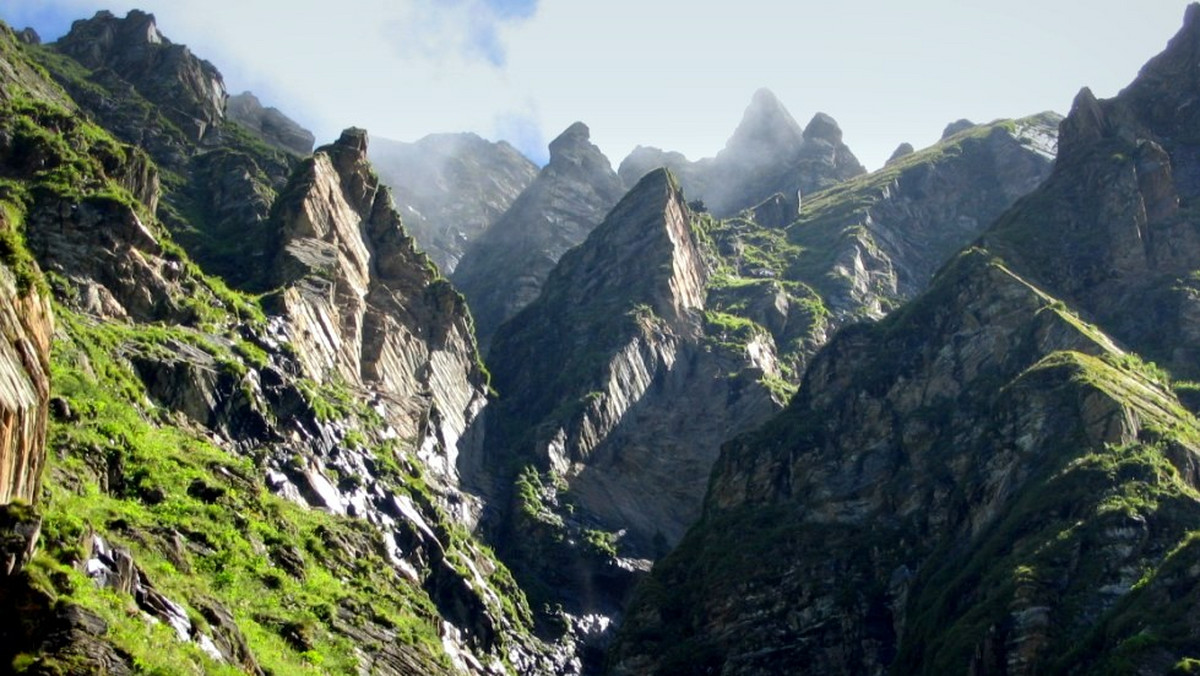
(768,153)
(153,94)
(903,150)
(504,269)
(26,325)
(364,305)
(269,124)
(953,489)
(450,188)
(956,127)
(189,90)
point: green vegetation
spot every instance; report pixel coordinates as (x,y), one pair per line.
(116,472)
(602,542)
(13,253)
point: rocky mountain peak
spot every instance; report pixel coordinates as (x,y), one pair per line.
(503,270)
(190,90)
(573,142)
(348,155)
(766,127)
(352,140)
(823,128)
(1085,124)
(658,193)
(29,36)
(105,32)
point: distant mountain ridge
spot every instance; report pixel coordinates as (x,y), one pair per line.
(768,153)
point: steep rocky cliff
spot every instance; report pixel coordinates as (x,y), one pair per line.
(450,188)
(190,91)
(597,381)
(233,484)
(364,306)
(984,481)
(26,324)
(503,270)
(1116,228)
(875,240)
(768,153)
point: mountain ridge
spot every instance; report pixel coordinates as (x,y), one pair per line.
(984,480)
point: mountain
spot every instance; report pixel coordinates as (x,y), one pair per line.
(229,483)
(668,332)
(761,413)
(992,479)
(605,383)
(768,153)
(450,188)
(876,240)
(503,269)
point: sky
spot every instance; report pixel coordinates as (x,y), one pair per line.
(667,73)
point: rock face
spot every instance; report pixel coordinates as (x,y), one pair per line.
(1114,229)
(450,188)
(902,150)
(768,153)
(269,124)
(613,397)
(953,489)
(363,304)
(626,331)
(503,270)
(158,96)
(189,90)
(26,325)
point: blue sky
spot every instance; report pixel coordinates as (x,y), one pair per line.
(656,72)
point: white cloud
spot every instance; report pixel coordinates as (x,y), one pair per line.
(659,72)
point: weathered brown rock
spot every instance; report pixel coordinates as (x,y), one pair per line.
(26,328)
(364,305)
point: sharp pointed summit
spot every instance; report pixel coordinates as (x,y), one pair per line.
(768,153)
(766,127)
(502,271)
